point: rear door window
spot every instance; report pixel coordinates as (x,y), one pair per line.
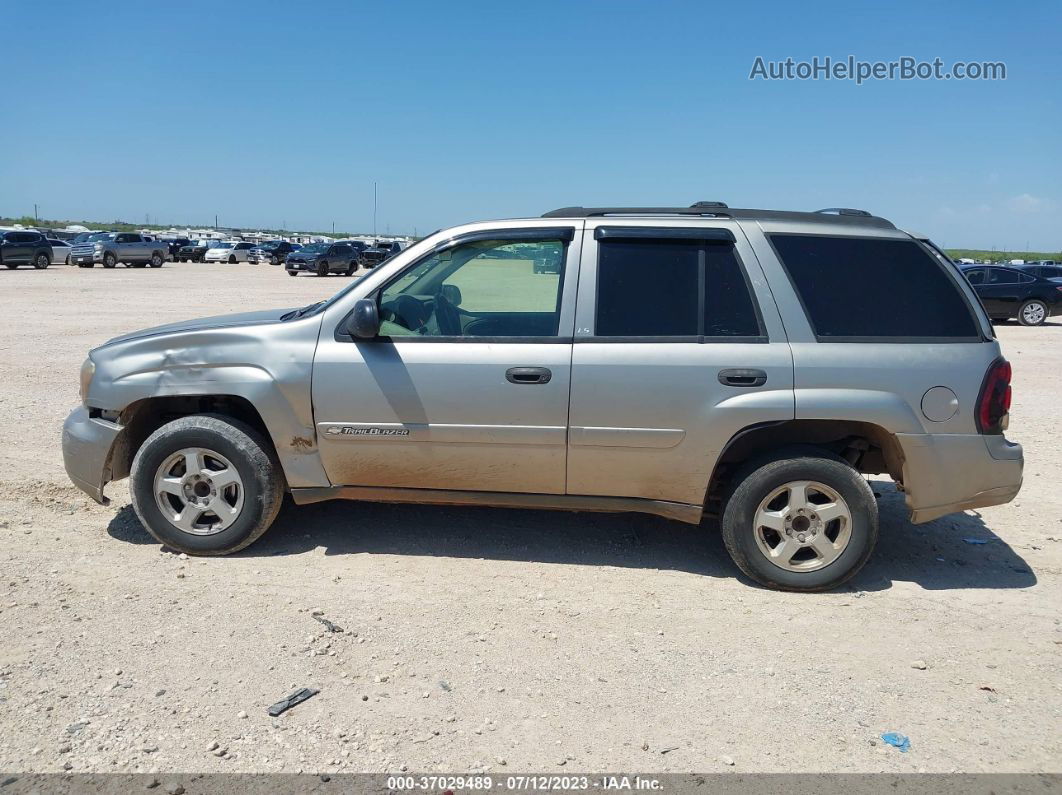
(686,289)
(857,289)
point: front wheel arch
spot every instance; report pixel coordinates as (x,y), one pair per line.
(143,417)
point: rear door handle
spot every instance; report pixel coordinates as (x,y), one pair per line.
(742,376)
(528,375)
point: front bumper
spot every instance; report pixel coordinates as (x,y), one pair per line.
(87,444)
(300,266)
(947,473)
(82,259)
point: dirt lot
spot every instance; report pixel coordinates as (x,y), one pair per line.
(481,638)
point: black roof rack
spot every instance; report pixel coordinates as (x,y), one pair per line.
(705,209)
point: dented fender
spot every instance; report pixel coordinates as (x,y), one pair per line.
(255,356)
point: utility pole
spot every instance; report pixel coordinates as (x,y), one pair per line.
(373,209)
(35,217)
(333,229)
(215,223)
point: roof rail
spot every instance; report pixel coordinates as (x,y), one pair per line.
(844,211)
(844,216)
(588,212)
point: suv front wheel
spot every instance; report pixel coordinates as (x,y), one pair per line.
(206,485)
(802,523)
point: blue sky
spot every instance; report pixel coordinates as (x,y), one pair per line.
(271,113)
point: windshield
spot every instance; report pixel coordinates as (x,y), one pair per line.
(225,245)
(314,248)
(269,245)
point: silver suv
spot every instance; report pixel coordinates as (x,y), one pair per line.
(750,365)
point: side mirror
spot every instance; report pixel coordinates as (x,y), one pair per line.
(364,321)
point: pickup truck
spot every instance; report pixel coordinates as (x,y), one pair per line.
(381,251)
(132,249)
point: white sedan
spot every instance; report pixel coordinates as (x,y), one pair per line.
(231,251)
(60,251)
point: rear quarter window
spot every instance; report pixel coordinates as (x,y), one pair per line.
(874,289)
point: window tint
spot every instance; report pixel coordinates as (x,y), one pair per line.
(857,287)
(672,288)
(488,288)
(1003,276)
(975,275)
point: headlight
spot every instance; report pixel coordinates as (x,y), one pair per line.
(88,369)
(98,246)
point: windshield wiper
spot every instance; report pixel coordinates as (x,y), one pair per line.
(297,313)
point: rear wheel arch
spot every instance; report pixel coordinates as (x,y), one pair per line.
(866,447)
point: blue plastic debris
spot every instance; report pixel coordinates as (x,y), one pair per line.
(975,541)
(897,740)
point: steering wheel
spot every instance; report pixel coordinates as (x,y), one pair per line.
(447,316)
(410,312)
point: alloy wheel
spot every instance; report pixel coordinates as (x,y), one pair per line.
(199,491)
(802,526)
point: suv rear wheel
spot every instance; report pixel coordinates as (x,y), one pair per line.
(206,485)
(803,523)
(41,261)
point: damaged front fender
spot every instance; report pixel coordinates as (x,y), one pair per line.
(267,365)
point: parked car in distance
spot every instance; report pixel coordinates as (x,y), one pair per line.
(358,246)
(272,251)
(681,361)
(195,250)
(175,245)
(1045,269)
(380,251)
(230,251)
(322,259)
(20,247)
(1015,293)
(130,248)
(60,251)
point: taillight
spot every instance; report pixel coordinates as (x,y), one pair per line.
(993,404)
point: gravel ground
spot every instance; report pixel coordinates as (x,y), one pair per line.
(494,639)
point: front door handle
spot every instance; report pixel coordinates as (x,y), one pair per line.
(528,375)
(742,376)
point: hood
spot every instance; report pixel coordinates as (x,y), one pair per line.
(260,317)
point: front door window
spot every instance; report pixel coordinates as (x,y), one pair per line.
(487,288)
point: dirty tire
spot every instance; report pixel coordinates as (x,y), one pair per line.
(755,483)
(350,269)
(249,453)
(322,269)
(109,261)
(156,260)
(41,261)
(293,273)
